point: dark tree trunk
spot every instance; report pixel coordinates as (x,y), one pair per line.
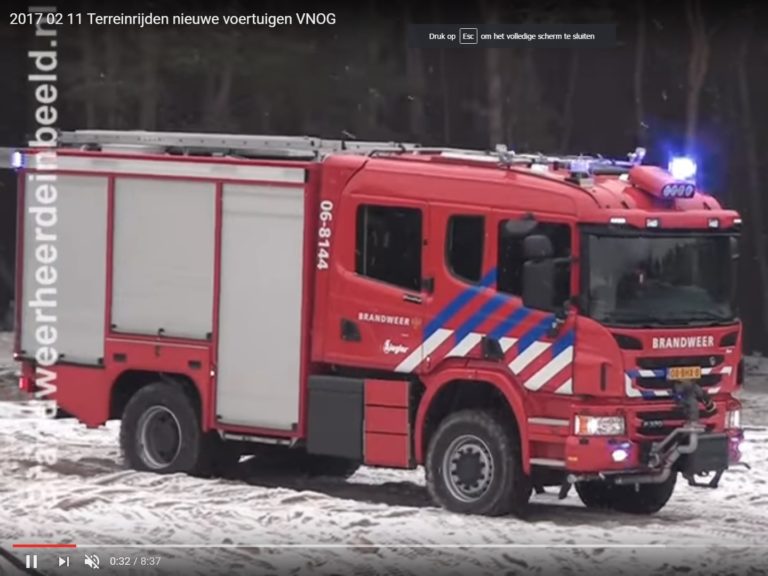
(446,96)
(698,65)
(754,194)
(112,100)
(570,92)
(90,74)
(372,96)
(639,74)
(149,94)
(494,85)
(416,93)
(219,113)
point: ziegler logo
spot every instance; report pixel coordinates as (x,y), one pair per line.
(390,348)
(683,342)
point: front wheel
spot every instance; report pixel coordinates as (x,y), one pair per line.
(473,466)
(632,499)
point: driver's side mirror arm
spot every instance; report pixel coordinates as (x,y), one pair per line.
(561,316)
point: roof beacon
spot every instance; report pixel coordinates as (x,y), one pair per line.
(682,168)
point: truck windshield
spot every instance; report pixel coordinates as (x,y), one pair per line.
(660,280)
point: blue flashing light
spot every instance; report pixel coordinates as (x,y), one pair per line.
(17,160)
(682,168)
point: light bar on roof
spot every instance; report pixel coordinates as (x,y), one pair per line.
(682,168)
(17,159)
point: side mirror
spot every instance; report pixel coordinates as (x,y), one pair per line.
(537,247)
(539,290)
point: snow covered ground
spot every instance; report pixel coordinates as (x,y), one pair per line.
(62,483)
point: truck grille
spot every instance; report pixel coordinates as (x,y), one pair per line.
(707,361)
(659,382)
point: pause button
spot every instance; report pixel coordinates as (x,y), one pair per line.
(31,560)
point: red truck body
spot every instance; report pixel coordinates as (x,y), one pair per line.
(349,305)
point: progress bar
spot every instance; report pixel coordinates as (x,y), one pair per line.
(44,546)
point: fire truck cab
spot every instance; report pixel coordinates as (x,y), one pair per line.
(507,321)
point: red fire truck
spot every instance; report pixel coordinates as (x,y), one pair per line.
(507,321)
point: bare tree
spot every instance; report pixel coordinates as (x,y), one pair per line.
(639,74)
(698,64)
(149,95)
(446,96)
(218,113)
(89,74)
(417,86)
(112,46)
(570,93)
(754,194)
(373,95)
(494,80)
(439,9)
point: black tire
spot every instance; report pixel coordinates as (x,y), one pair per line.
(484,442)
(643,499)
(595,495)
(161,432)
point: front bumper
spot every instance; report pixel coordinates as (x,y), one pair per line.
(606,456)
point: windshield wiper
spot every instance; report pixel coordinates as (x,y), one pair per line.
(637,320)
(641,320)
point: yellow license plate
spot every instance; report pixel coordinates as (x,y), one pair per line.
(684,373)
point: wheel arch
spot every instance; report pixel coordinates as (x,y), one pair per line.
(457,385)
(129,382)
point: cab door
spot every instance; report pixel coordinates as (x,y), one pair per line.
(378,289)
(477,311)
(463,298)
(537,342)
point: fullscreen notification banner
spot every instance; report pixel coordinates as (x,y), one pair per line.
(505,36)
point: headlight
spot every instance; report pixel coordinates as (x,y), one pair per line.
(598,425)
(733,419)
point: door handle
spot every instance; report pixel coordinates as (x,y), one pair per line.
(413,298)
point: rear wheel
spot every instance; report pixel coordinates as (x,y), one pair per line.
(473,466)
(161,432)
(632,499)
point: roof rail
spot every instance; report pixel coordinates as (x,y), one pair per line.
(309,147)
(207,143)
